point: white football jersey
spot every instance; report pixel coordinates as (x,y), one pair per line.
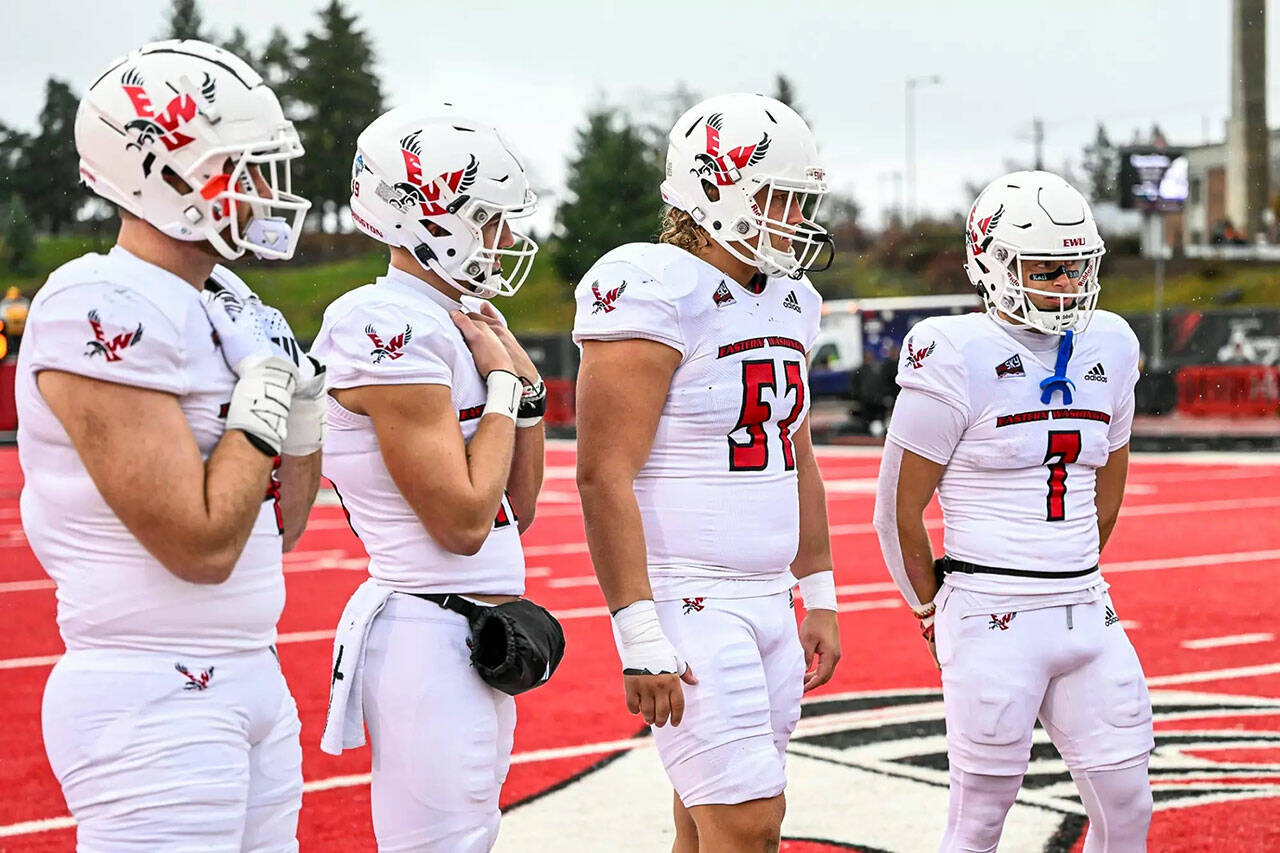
(1018,490)
(120,319)
(397,331)
(718,494)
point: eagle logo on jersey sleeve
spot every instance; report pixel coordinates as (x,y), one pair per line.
(915,358)
(109,347)
(391,349)
(604,302)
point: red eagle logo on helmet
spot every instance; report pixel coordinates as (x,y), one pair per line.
(724,167)
(980,235)
(150,125)
(427,193)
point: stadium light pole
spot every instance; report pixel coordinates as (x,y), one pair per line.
(909,215)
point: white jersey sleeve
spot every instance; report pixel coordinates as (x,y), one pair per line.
(1122,413)
(617,301)
(932,365)
(383,344)
(925,425)
(108,332)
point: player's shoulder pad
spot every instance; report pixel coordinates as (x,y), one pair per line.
(932,357)
(1115,332)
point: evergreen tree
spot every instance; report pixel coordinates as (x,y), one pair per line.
(1101,164)
(612,192)
(19,248)
(185,21)
(47,175)
(238,45)
(785,92)
(335,95)
(277,64)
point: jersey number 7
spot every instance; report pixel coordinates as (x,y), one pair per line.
(1064,448)
(756,376)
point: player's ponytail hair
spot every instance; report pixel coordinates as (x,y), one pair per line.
(679,229)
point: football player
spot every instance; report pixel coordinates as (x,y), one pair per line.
(435,445)
(702,499)
(1019,418)
(156,393)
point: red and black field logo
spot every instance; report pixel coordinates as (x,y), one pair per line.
(426,194)
(151,125)
(109,347)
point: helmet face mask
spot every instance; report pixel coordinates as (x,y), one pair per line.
(741,166)
(188,165)
(1034,218)
(448,190)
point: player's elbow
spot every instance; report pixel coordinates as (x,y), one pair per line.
(465,542)
(209,567)
(596,481)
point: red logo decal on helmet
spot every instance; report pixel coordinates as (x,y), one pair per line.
(427,194)
(724,167)
(150,125)
(980,237)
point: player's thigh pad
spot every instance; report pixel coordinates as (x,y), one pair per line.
(441,737)
(783,658)
(275,774)
(146,760)
(993,680)
(1099,713)
(723,751)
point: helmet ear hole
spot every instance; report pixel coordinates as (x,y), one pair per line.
(435,229)
(174,180)
(711,191)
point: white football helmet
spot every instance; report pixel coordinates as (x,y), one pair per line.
(180,132)
(1033,216)
(723,153)
(434,182)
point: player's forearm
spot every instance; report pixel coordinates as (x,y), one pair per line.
(615,538)
(299,478)
(525,480)
(202,543)
(917,555)
(464,522)
(1109,492)
(814,554)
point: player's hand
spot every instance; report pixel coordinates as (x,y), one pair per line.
(933,650)
(658,698)
(820,638)
(486,350)
(524,366)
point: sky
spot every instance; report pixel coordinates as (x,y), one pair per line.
(535,68)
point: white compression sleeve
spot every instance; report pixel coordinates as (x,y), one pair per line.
(885,522)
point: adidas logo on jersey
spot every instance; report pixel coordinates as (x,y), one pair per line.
(1010,367)
(1096,373)
(722,296)
(791,302)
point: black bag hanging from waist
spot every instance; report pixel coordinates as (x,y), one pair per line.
(515,646)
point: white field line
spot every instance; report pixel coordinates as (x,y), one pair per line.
(1230,640)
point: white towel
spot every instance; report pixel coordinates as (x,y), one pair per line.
(344,725)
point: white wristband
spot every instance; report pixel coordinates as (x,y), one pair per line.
(504,394)
(819,591)
(642,645)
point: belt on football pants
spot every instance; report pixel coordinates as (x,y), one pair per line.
(946,565)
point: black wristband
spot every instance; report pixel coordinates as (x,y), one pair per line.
(533,407)
(261,445)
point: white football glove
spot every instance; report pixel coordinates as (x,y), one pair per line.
(263,395)
(306,415)
(643,647)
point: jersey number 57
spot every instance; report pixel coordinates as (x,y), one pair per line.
(756,376)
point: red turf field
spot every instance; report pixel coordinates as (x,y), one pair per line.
(1193,572)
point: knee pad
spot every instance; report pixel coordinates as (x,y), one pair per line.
(1119,804)
(978,805)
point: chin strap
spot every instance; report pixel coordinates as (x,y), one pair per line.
(1059,381)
